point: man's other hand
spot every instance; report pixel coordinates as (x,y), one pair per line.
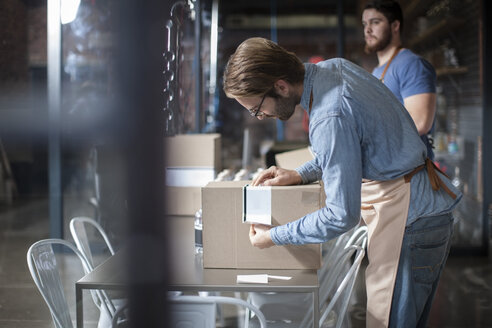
(275,176)
(259,236)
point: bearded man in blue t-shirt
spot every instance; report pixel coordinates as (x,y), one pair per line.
(411,78)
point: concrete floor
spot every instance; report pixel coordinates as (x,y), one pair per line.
(464,297)
(21,305)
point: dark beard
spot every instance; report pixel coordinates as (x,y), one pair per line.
(380,45)
(285,107)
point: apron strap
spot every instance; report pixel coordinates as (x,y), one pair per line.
(389,62)
(434,178)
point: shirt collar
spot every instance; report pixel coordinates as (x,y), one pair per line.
(310,70)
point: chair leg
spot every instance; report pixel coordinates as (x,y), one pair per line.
(247,314)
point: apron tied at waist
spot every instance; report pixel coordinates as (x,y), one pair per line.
(384,209)
(434,178)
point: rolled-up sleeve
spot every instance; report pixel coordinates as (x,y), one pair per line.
(310,172)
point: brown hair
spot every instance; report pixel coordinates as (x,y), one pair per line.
(256,65)
(389,8)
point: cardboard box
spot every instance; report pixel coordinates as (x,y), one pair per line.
(183,200)
(193,150)
(294,158)
(277,147)
(226,238)
(192,160)
(181,234)
(180,231)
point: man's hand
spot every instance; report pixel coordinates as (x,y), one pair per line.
(275,176)
(259,236)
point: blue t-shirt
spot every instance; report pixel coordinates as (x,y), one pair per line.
(357,129)
(409,75)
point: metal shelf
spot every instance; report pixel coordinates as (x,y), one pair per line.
(413,9)
(446,70)
(435,31)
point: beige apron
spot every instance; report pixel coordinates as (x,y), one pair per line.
(384,209)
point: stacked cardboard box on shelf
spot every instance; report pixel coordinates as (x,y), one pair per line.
(191,161)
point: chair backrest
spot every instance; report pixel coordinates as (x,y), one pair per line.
(95,201)
(344,291)
(86,245)
(83,241)
(356,236)
(195,311)
(337,289)
(44,269)
(330,255)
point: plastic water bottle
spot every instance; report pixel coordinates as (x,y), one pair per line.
(457,180)
(198,232)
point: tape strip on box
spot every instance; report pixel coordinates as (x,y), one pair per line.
(257,204)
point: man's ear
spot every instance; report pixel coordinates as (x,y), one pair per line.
(395,27)
(282,88)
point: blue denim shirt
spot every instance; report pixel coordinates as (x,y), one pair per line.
(358,130)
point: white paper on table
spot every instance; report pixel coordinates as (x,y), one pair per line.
(258,278)
(257,204)
(279,277)
(252,278)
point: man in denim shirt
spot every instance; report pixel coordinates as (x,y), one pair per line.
(359,132)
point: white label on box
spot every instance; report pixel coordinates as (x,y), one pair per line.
(189,176)
(257,204)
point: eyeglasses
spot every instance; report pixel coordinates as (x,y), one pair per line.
(256,112)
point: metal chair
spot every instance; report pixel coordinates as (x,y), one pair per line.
(82,240)
(291,309)
(356,236)
(336,290)
(44,269)
(95,201)
(87,245)
(194,311)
